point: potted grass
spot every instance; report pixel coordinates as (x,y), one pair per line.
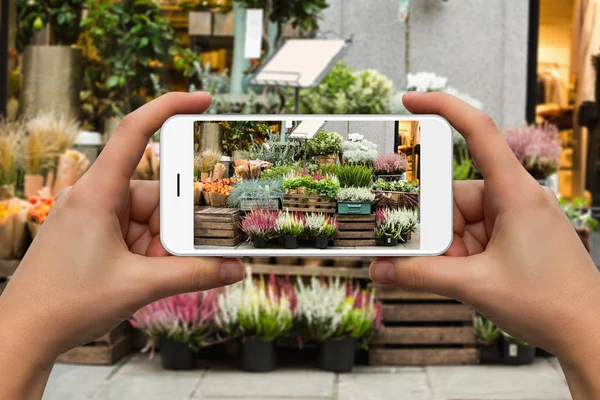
(488,339)
(180,325)
(356,176)
(338,317)
(410,223)
(260,226)
(291,227)
(515,351)
(355,200)
(324,147)
(257,194)
(388,227)
(258,313)
(390,167)
(322,228)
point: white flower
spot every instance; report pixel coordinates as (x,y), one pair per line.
(425,82)
(355,137)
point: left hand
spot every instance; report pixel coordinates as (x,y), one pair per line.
(98,257)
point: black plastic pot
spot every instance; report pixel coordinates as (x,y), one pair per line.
(321,242)
(543,353)
(290,242)
(514,353)
(404,237)
(387,241)
(176,355)
(259,243)
(490,353)
(258,355)
(337,355)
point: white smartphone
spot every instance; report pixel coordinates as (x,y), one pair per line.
(306,185)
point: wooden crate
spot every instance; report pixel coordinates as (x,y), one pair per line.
(106,350)
(309,203)
(8,267)
(423,329)
(215,226)
(355,230)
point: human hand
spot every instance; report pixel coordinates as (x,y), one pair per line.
(98,257)
(515,256)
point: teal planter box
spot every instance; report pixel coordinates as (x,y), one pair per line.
(354,208)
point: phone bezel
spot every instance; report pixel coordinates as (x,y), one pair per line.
(176,212)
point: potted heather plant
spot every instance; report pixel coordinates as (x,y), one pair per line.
(258,313)
(390,166)
(181,325)
(582,221)
(291,227)
(337,317)
(322,228)
(488,338)
(355,200)
(410,219)
(537,147)
(358,151)
(324,147)
(515,351)
(260,226)
(389,225)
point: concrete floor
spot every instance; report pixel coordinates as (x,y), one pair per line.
(137,377)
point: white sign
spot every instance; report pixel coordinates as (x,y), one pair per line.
(254,21)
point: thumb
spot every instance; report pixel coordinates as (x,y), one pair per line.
(441,275)
(168,276)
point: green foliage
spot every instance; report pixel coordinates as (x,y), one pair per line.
(344,91)
(396,186)
(324,143)
(299,182)
(357,195)
(485,330)
(63,16)
(278,172)
(352,175)
(134,42)
(262,190)
(325,187)
(509,338)
(240,135)
(358,324)
(574,211)
(290,224)
(463,166)
(320,225)
(274,150)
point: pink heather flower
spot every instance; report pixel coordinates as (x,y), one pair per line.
(381,215)
(537,147)
(391,164)
(260,223)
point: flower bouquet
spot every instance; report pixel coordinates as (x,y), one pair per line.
(38,212)
(13,237)
(216,193)
(71,166)
(251,169)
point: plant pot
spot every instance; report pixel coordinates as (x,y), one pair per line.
(514,353)
(258,355)
(404,237)
(259,243)
(32,184)
(337,354)
(387,241)
(51,80)
(490,353)
(290,242)
(321,242)
(354,208)
(330,159)
(543,353)
(7,192)
(176,355)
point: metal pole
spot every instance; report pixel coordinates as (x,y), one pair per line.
(297,100)
(4,12)
(532,56)
(240,63)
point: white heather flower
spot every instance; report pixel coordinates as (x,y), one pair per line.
(425,82)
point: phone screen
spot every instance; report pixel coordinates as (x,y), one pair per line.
(306,184)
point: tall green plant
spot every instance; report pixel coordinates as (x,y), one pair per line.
(463,166)
(355,176)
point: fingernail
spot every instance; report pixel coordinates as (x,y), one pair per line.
(231,272)
(382,271)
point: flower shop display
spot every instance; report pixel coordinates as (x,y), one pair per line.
(489,339)
(38,212)
(325,147)
(250,169)
(274,151)
(310,193)
(241,135)
(350,175)
(582,221)
(390,166)
(358,150)
(216,193)
(394,225)
(253,194)
(180,325)
(290,226)
(205,163)
(537,147)
(258,313)
(337,316)
(355,200)
(321,227)
(515,351)
(260,226)
(395,193)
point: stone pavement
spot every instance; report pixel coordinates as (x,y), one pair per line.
(137,377)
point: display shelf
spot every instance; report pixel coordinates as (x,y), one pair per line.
(8,267)
(310,270)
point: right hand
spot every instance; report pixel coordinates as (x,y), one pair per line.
(515,256)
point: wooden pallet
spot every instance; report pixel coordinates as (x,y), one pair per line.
(106,350)
(215,226)
(423,329)
(309,203)
(355,230)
